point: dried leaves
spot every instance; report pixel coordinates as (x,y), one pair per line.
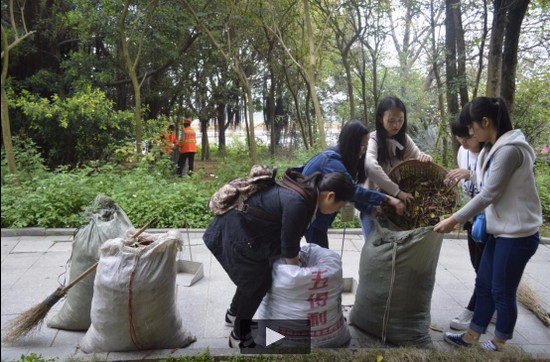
(433,201)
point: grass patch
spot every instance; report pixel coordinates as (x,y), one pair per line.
(475,354)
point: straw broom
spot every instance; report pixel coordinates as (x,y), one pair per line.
(529,299)
(34,316)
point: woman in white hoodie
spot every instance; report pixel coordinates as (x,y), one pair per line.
(514,214)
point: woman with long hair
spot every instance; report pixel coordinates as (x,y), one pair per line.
(513,211)
(389,145)
(245,243)
(348,157)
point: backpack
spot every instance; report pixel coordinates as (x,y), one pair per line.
(235,193)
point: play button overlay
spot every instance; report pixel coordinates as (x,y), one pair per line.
(281,336)
(271,336)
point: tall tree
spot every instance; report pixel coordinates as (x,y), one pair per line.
(132,63)
(233,46)
(453,78)
(348,26)
(17,26)
(501,71)
(516,14)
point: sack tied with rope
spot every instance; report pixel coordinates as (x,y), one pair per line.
(396,281)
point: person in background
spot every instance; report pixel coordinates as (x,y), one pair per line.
(246,244)
(169,146)
(347,157)
(187,148)
(388,146)
(466,172)
(168,139)
(513,210)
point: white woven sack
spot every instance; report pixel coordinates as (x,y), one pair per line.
(312,291)
(107,221)
(134,302)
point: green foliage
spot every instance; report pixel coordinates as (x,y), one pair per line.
(145,190)
(542,171)
(34,357)
(73,129)
(28,160)
(531,111)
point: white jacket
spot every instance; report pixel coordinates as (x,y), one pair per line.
(508,191)
(377,174)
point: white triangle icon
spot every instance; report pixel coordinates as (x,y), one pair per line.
(271,336)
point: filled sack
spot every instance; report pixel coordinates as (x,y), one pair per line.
(134,303)
(107,221)
(396,281)
(312,291)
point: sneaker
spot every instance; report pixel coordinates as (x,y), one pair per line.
(462,321)
(247,342)
(494,318)
(230,320)
(489,346)
(456,339)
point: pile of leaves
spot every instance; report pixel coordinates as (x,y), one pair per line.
(433,201)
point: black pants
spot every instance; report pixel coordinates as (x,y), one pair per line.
(183,159)
(244,306)
(476,250)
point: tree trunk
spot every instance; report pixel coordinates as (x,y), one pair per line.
(6,46)
(481,50)
(221,127)
(494,66)
(205,145)
(450,57)
(250,128)
(131,66)
(6,129)
(510,51)
(311,79)
(461,57)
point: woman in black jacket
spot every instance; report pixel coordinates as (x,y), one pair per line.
(246,244)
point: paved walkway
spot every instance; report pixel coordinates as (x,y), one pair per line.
(34,261)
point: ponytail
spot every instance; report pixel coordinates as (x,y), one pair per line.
(493,108)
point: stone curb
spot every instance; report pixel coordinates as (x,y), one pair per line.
(38,231)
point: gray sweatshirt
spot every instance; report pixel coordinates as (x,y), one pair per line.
(509,193)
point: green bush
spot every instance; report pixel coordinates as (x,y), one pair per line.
(144,191)
(542,172)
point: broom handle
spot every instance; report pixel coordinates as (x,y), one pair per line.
(94,265)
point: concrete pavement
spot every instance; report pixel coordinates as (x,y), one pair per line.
(33,264)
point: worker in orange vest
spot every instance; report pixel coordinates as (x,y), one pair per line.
(168,139)
(188,148)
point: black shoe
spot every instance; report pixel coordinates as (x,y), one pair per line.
(247,342)
(230,320)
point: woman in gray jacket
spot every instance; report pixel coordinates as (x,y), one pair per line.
(514,214)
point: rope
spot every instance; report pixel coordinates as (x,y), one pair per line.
(388,302)
(133,333)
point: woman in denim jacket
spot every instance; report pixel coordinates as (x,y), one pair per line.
(347,157)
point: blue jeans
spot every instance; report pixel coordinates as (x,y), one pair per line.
(366,224)
(502,265)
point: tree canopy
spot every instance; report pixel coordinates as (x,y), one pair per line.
(85,78)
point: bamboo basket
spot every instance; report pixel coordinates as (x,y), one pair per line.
(427,174)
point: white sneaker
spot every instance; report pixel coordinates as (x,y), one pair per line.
(462,321)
